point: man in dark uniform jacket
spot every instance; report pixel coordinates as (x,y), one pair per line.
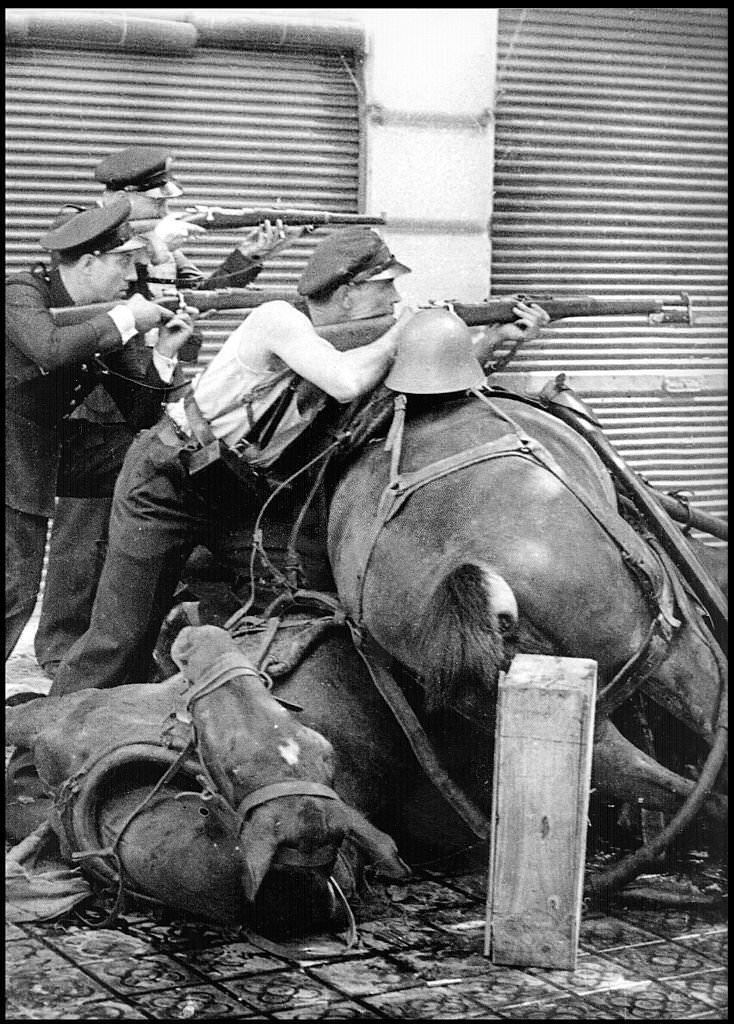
(141,175)
(50,370)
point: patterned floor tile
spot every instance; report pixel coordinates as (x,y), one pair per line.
(468,921)
(127,975)
(97,1009)
(658,960)
(710,987)
(199,1002)
(564,1008)
(29,955)
(84,944)
(445,1002)
(329,1011)
(650,1001)
(280,990)
(473,883)
(593,973)
(599,933)
(397,933)
(366,977)
(174,935)
(230,960)
(426,896)
(712,945)
(670,924)
(503,986)
(51,987)
(451,963)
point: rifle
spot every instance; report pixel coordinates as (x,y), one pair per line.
(218,218)
(352,334)
(204,301)
(499,310)
(492,311)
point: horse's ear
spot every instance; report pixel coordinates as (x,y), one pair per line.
(259,843)
(379,847)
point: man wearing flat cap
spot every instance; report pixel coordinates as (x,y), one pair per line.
(50,370)
(244,412)
(170,496)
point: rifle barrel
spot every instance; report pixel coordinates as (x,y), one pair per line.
(220,218)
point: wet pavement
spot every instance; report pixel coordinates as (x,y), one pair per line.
(419,956)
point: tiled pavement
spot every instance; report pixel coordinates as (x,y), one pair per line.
(419,957)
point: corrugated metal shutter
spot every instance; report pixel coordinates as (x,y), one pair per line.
(611,180)
(247,128)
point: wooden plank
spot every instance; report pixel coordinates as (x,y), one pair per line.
(542,773)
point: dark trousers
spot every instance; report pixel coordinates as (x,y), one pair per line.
(91,458)
(25,541)
(159,514)
(75,559)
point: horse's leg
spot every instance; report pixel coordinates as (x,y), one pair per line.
(622,770)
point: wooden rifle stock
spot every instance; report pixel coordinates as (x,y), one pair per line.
(500,311)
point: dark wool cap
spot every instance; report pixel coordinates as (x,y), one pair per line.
(97,230)
(348,255)
(139,169)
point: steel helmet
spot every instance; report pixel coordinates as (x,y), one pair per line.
(435,355)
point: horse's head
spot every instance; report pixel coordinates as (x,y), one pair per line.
(275,772)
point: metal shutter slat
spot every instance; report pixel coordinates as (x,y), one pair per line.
(611,179)
(248,127)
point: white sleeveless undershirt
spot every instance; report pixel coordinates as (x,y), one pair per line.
(232,395)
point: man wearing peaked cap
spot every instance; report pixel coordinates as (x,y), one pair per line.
(143,174)
(139,169)
(50,370)
(95,230)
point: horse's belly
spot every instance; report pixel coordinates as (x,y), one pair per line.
(510,516)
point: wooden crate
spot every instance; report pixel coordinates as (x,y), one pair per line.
(542,772)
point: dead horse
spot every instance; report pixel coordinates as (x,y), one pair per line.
(127,765)
(490,528)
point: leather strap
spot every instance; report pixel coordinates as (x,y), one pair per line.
(200,427)
(291,787)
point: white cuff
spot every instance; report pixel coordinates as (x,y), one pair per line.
(165,365)
(124,321)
